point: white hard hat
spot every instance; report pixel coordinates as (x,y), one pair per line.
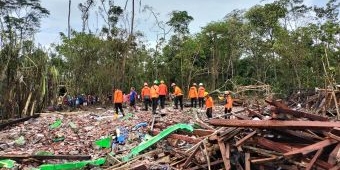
(173,84)
(194,84)
(145,84)
(200,84)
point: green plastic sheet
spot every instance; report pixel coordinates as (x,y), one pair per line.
(7,163)
(146,144)
(56,124)
(104,143)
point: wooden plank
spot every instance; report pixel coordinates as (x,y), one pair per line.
(202,124)
(282,108)
(181,137)
(336,167)
(276,146)
(202,132)
(311,148)
(263,160)
(240,142)
(205,165)
(315,157)
(227,150)
(272,124)
(223,153)
(247,161)
(332,159)
(186,163)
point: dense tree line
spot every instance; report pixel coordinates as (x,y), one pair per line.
(285,44)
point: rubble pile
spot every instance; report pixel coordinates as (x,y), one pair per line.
(273,136)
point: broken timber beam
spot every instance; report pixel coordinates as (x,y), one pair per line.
(263,160)
(224,154)
(205,165)
(311,148)
(315,157)
(186,163)
(282,108)
(272,124)
(276,146)
(297,113)
(181,137)
(332,159)
(240,142)
(2,126)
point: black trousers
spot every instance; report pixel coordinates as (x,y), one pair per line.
(162,101)
(193,102)
(120,107)
(209,112)
(154,104)
(200,102)
(180,100)
(146,103)
(226,111)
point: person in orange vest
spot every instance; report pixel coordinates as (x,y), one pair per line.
(209,104)
(228,103)
(163,90)
(201,91)
(118,100)
(193,95)
(154,91)
(146,96)
(178,96)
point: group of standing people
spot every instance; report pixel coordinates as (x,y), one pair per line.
(156,94)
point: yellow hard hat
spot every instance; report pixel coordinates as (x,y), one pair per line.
(162,81)
(205,94)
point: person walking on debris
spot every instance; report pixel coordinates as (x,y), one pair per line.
(178,96)
(132,98)
(201,91)
(193,95)
(146,96)
(118,101)
(154,91)
(163,90)
(228,103)
(209,104)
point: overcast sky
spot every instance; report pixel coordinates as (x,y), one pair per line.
(203,12)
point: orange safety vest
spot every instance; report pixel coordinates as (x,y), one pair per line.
(201,91)
(209,103)
(154,90)
(229,102)
(145,92)
(178,91)
(193,92)
(163,89)
(118,96)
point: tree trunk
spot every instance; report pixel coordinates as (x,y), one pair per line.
(68,20)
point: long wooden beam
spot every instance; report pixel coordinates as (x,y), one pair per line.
(283,148)
(181,137)
(272,124)
(315,157)
(2,126)
(311,148)
(282,108)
